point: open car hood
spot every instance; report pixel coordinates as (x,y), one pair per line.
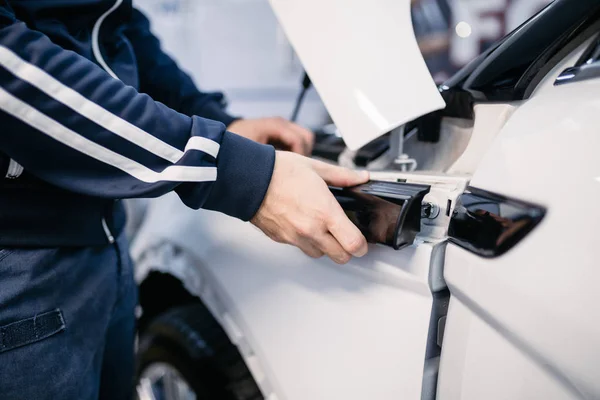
(363,58)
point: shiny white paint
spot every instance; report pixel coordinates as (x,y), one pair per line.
(309,329)
(363,59)
(455,134)
(320,331)
(494,369)
(462,142)
(489,120)
(525,325)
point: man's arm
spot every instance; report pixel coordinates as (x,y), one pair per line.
(71,124)
(65,120)
(164,81)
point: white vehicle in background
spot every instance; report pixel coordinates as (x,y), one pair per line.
(484,202)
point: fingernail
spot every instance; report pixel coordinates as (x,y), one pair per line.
(363,250)
(365,175)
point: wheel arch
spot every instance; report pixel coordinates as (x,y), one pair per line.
(168,276)
(160,292)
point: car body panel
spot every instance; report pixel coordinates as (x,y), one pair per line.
(489,120)
(289,307)
(469,372)
(364,61)
(541,297)
(519,326)
(369,320)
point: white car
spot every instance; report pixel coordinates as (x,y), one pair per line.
(485,204)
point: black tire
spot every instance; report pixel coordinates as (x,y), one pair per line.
(191,341)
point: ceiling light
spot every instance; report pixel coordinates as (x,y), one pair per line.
(463,29)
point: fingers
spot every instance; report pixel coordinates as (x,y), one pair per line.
(310,249)
(321,243)
(338,176)
(299,209)
(276,131)
(293,136)
(346,233)
(321,236)
(307,136)
(288,137)
(333,234)
(331,247)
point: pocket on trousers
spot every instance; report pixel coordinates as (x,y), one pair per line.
(31,330)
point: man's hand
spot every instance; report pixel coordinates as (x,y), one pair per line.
(299,209)
(277,131)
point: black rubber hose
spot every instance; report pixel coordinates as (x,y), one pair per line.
(306,83)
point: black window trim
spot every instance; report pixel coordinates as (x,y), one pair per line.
(586,68)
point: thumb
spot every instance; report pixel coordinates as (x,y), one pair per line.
(338,176)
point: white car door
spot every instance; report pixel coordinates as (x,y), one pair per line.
(523,317)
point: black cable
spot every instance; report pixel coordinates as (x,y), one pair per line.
(306,83)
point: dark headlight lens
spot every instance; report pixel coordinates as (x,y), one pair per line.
(489,224)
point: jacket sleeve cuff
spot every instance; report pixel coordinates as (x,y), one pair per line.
(215,111)
(244,170)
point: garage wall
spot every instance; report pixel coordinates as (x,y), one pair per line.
(235,46)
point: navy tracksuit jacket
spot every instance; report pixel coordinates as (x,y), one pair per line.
(92,111)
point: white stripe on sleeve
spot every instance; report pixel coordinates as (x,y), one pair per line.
(62,134)
(15,170)
(94,112)
(203,144)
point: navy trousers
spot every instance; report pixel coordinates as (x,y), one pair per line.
(67,323)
